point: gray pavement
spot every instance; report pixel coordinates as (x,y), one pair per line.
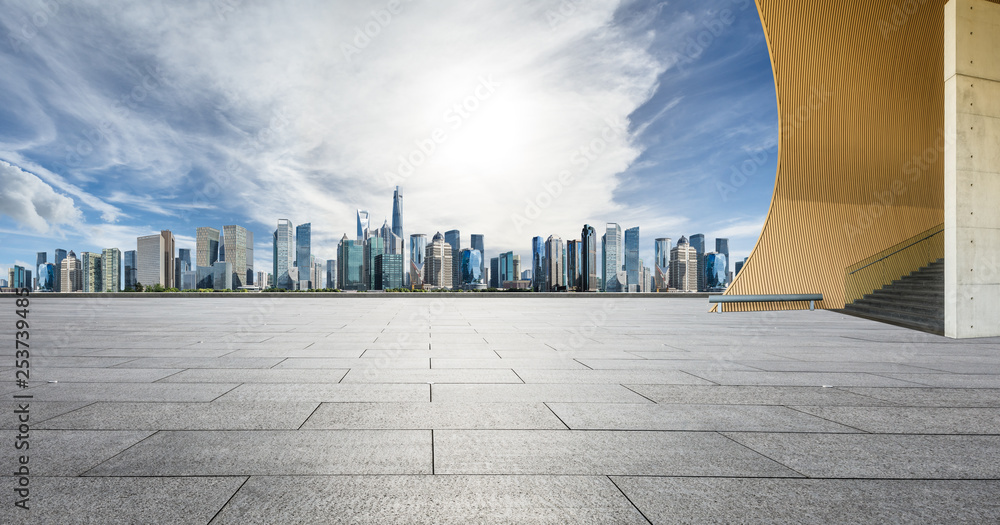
(494,410)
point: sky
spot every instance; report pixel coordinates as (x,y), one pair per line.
(507,118)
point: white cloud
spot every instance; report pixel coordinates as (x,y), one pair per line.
(31,202)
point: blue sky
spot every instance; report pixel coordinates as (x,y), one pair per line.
(518,118)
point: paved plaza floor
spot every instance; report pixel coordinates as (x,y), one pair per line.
(493,410)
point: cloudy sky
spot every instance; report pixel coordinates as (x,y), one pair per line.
(509,118)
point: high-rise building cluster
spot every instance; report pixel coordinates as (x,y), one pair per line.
(378,258)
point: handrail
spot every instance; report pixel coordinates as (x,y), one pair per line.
(895,262)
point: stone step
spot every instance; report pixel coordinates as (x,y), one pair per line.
(915,301)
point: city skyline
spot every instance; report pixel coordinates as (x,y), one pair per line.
(660,165)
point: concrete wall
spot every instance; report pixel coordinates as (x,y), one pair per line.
(972,168)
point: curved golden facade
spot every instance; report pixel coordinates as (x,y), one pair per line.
(860,93)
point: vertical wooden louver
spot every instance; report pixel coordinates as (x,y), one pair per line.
(860,93)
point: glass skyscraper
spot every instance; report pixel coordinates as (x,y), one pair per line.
(573,253)
(477,244)
(418,250)
(697,242)
(390,267)
(662,264)
(506,271)
(632,265)
(206,247)
(364,225)
(374,247)
(234,244)
(130,270)
(350,264)
(613,247)
(471,263)
(111,262)
(454,239)
(722,246)
(303,253)
(554,264)
(538,279)
(60,254)
(284,255)
(46,277)
(40,259)
(715,272)
(588,259)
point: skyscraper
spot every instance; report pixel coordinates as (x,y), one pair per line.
(131,269)
(350,264)
(715,272)
(722,247)
(331,273)
(60,254)
(438,263)
(662,264)
(182,264)
(588,259)
(684,266)
(206,247)
(155,259)
(364,226)
(632,266)
(72,275)
(234,243)
(573,253)
(614,280)
(47,277)
(418,250)
(538,278)
(303,253)
(390,267)
(397,213)
(374,247)
(495,263)
(516,274)
(91,274)
(40,259)
(454,239)
(478,244)
(553,264)
(698,243)
(111,261)
(471,262)
(284,255)
(506,269)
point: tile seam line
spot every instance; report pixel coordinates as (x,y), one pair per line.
(793,407)
(629,500)
(84,473)
(761,454)
(226,504)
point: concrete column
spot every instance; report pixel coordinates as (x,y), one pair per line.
(972,169)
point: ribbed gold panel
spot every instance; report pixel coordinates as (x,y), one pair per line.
(860,93)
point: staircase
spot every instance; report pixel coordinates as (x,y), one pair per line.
(916,301)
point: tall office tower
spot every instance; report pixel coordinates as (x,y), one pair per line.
(390,267)
(495,269)
(373,248)
(250,271)
(60,254)
(516,274)
(563,268)
(418,249)
(477,243)
(506,269)
(647,280)
(662,264)
(206,247)
(155,260)
(364,226)
(93,272)
(350,264)
(222,275)
(397,213)
(111,262)
(182,264)
(303,251)
(317,274)
(715,272)
(553,264)
(588,259)
(698,243)
(573,253)
(470,264)
(331,273)
(283,253)
(739,266)
(17,277)
(438,263)
(684,266)
(454,239)
(613,259)
(72,274)
(538,281)
(130,269)
(234,246)
(40,259)
(722,247)
(47,277)
(632,260)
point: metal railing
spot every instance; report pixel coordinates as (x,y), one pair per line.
(896,262)
(772,298)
